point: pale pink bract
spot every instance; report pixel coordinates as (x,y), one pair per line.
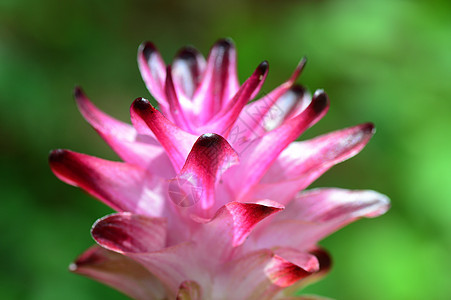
(209,196)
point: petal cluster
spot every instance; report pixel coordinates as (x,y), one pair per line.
(209,195)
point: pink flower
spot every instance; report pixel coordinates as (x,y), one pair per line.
(209,196)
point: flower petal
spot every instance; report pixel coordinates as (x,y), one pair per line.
(222,123)
(262,152)
(317,213)
(118,272)
(230,227)
(175,141)
(189,290)
(130,233)
(220,81)
(122,186)
(255,112)
(187,71)
(153,72)
(301,163)
(210,156)
(143,150)
(259,275)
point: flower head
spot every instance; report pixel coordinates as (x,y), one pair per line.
(209,196)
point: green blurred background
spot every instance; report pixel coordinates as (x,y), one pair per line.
(386,61)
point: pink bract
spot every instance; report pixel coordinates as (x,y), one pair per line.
(209,196)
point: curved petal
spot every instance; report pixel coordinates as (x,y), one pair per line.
(230,227)
(122,186)
(223,122)
(259,275)
(317,213)
(220,81)
(130,233)
(210,156)
(153,72)
(175,141)
(301,163)
(258,157)
(118,272)
(143,150)
(187,70)
(254,113)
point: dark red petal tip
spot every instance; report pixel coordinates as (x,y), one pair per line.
(78,92)
(225,43)
(298,89)
(147,49)
(187,53)
(320,101)
(263,67)
(368,128)
(208,140)
(57,155)
(141,104)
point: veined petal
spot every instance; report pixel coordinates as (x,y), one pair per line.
(259,275)
(223,122)
(153,72)
(187,71)
(175,141)
(301,163)
(252,117)
(317,213)
(143,150)
(189,290)
(118,272)
(258,157)
(230,227)
(210,156)
(220,81)
(122,186)
(130,233)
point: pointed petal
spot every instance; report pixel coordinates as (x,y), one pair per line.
(122,186)
(260,275)
(223,122)
(130,233)
(317,213)
(143,150)
(258,157)
(252,117)
(303,162)
(189,290)
(210,156)
(118,272)
(220,81)
(175,109)
(175,141)
(153,71)
(230,227)
(188,69)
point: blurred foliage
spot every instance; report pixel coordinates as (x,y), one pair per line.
(384,61)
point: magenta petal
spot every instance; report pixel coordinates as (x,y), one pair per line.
(175,141)
(317,213)
(129,233)
(189,290)
(210,156)
(220,81)
(303,162)
(231,225)
(119,272)
(122,186)
(223,122)
(258,157)
(187,71)
(138,149)
(260,275)
(153,71)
